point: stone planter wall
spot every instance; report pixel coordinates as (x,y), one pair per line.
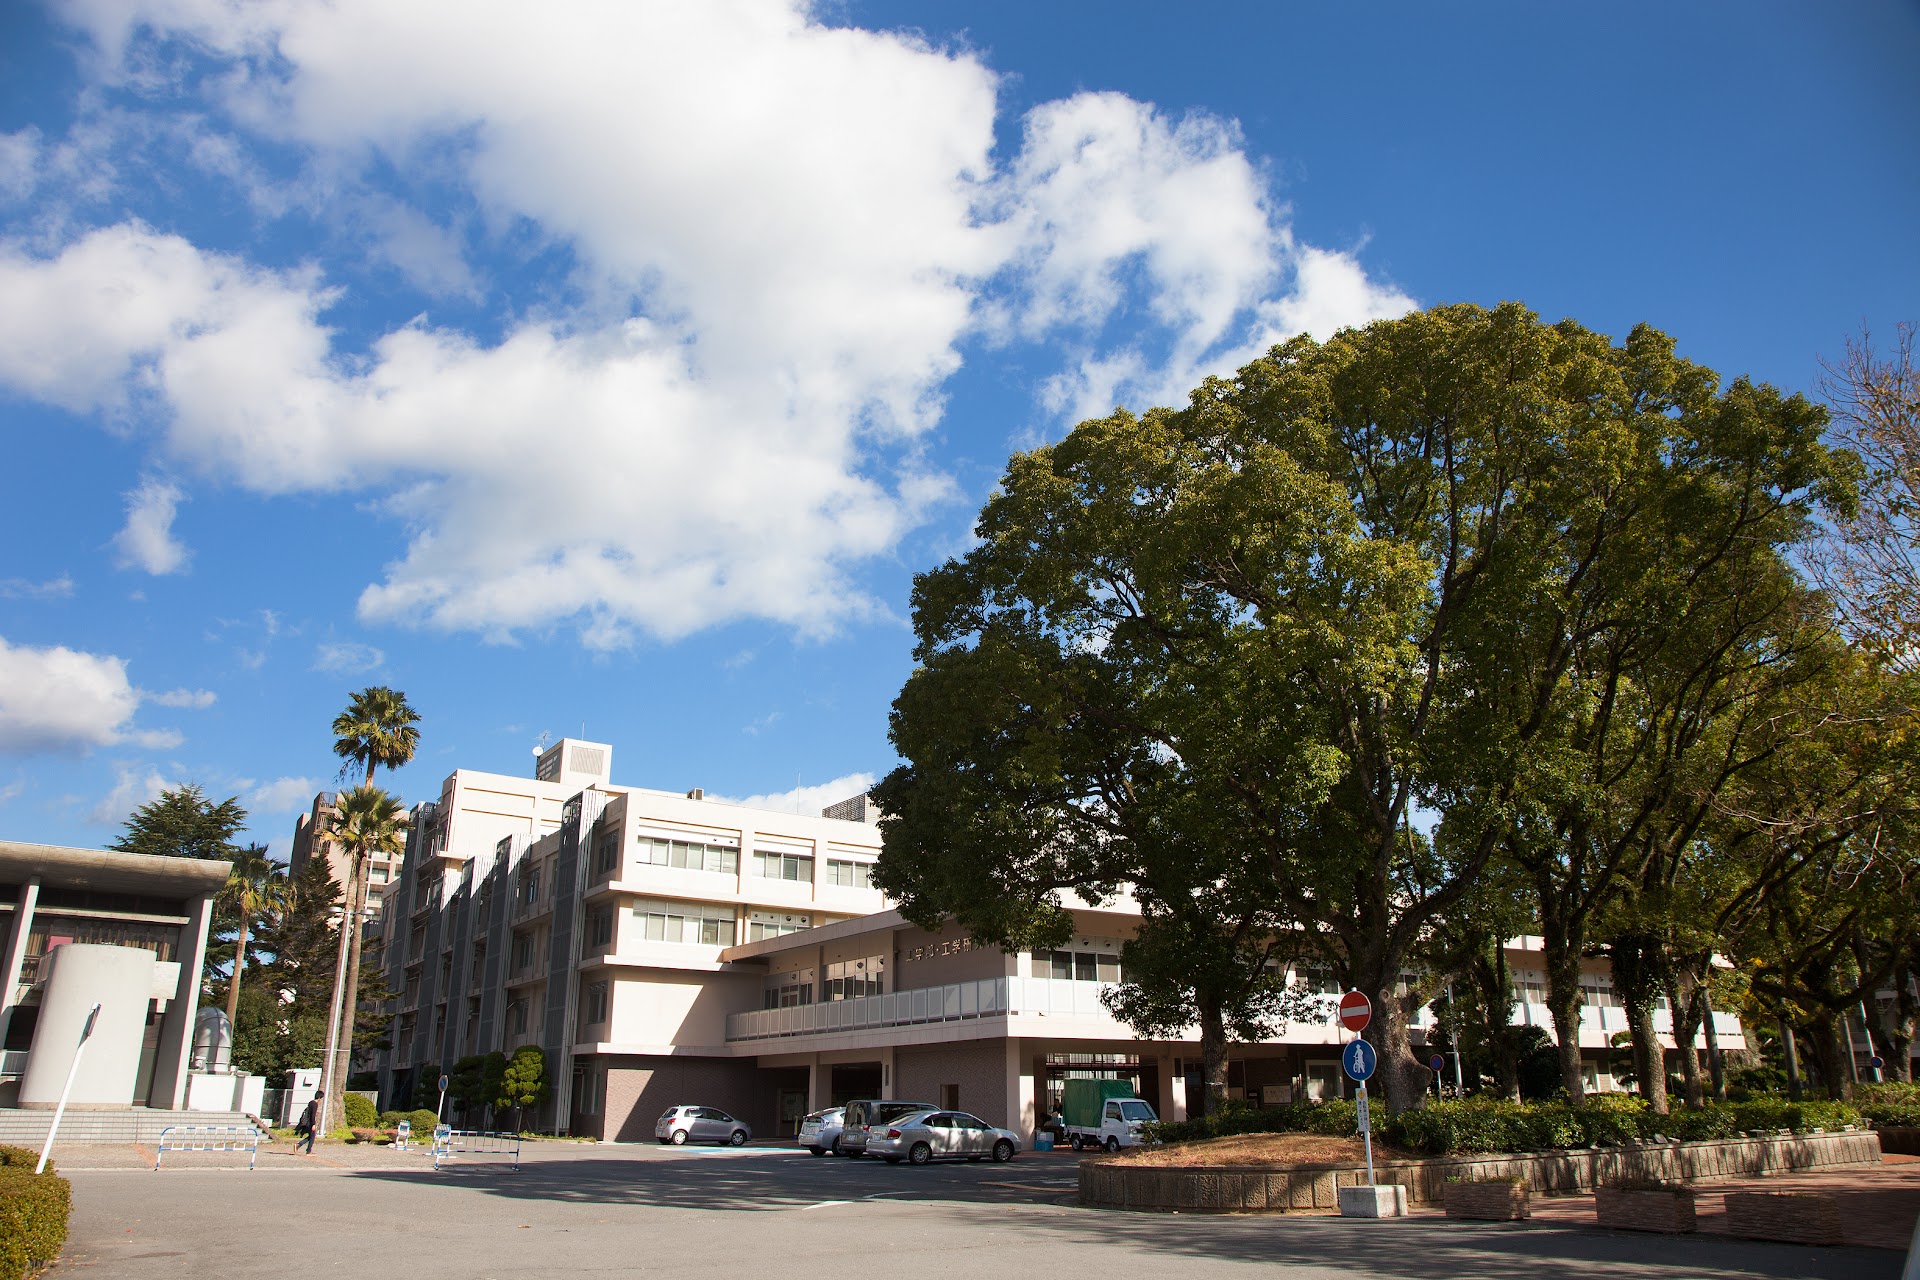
(1117,1184)
(1796,1217)
(1498,1201)
(1669,1211)
(1900,1141)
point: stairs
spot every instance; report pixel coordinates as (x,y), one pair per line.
(20,1128)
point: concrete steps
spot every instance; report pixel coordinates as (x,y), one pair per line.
(19,1128)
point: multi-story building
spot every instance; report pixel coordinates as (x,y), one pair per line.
(663,948)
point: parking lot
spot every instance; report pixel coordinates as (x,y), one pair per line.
(764,1210)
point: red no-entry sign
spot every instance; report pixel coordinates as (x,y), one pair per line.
(1356,1011)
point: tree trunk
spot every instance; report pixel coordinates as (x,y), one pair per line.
(239,963)
(1832,1054)
(333,1110)
(350,1007)
(1898,1025)
(1636,978)
(1497,999)
(1795,1089)
(1686,1026)
(1716,1061)
(1213,1056)
(1563,942)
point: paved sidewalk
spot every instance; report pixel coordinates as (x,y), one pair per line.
(1877,1206)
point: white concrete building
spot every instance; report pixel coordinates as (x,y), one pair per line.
(90,926)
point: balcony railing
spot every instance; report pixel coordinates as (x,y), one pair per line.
(13,1063)
(986,998)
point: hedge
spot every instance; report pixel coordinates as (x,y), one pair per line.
(1488,1125)
(361,1113)
(1894,1104)
(33,1213)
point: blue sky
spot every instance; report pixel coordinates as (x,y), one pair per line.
(611,368)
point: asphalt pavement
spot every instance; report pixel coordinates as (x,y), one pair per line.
(576,1209)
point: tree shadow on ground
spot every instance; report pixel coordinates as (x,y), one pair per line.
(1016,1197)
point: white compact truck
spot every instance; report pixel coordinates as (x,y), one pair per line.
(1103,1114)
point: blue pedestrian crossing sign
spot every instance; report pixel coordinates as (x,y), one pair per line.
(1358,1059)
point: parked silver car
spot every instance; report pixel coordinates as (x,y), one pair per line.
(681,1125)
(940,1135)
(865,1114)
(820,1131)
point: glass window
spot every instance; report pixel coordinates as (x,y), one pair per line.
(849,875)
(689,855)
(699,923)
(784,866)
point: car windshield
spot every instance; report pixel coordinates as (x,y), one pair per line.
(900,1110)
(831,1113)
(1136,1111)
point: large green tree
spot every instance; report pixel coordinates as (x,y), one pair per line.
(183,823)
(256,886)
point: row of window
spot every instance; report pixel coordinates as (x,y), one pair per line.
(1077,966)
(694,855)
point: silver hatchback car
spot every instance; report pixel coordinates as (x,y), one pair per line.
(927,1136)
(820,1131)
(681,1125)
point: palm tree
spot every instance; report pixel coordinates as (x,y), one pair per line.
(376,729)
(255,884)
(366,821)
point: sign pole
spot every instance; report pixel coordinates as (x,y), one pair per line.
(72,1071)
(1366,1131)
(441,1114)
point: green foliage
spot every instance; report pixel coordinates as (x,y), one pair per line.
(1488,1125)
(377,728)
(183,823)
(423,1123)
(361,1113)
(524,1082)
(34,1209)
(390,1119)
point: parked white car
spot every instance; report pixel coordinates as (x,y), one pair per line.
(927,1136)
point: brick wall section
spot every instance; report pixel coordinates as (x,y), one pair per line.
(1117,1184)
(1796,1217)
(1499,1201)
(1670,1212)
(639,1089)
(979,1067)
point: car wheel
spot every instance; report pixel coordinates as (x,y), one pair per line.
(679,1138)
(737,1138)
(920,1153)
(1074,1142)
(893,1159)
(834,1149)
(1002,1151)
(1113,1144)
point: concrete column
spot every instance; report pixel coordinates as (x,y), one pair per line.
(1019,1107)
(819,1085)
(118,979)
(16,953)
(176,1025)
(1176,1090)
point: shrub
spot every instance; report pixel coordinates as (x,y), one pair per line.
(33,1213)
(391,1119)
(361,1113)
(423,1123)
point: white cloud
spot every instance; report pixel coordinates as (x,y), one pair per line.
(282,795)
(132,788)
(60,699)
(347,658)
(60,588)
(808,800)
(147,541)
(191,699)
(782,234)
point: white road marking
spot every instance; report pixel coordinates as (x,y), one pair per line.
(825,1204)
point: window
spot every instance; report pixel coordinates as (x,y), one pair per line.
(850,875)
(600,928)
(606,852)
(517,1018)
(852,979)
(522,952)
(774,924)
(700,923)
(784,866)
(530,886)
(1077,966)
(788,990)
(691,855)
(596,1003)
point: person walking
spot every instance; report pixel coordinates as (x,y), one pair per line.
(309,1122)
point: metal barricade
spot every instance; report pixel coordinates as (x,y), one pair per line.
(450,1144)
(208,1137)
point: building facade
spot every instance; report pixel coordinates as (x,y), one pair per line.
(123,931)
(312,837)
(663,948)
